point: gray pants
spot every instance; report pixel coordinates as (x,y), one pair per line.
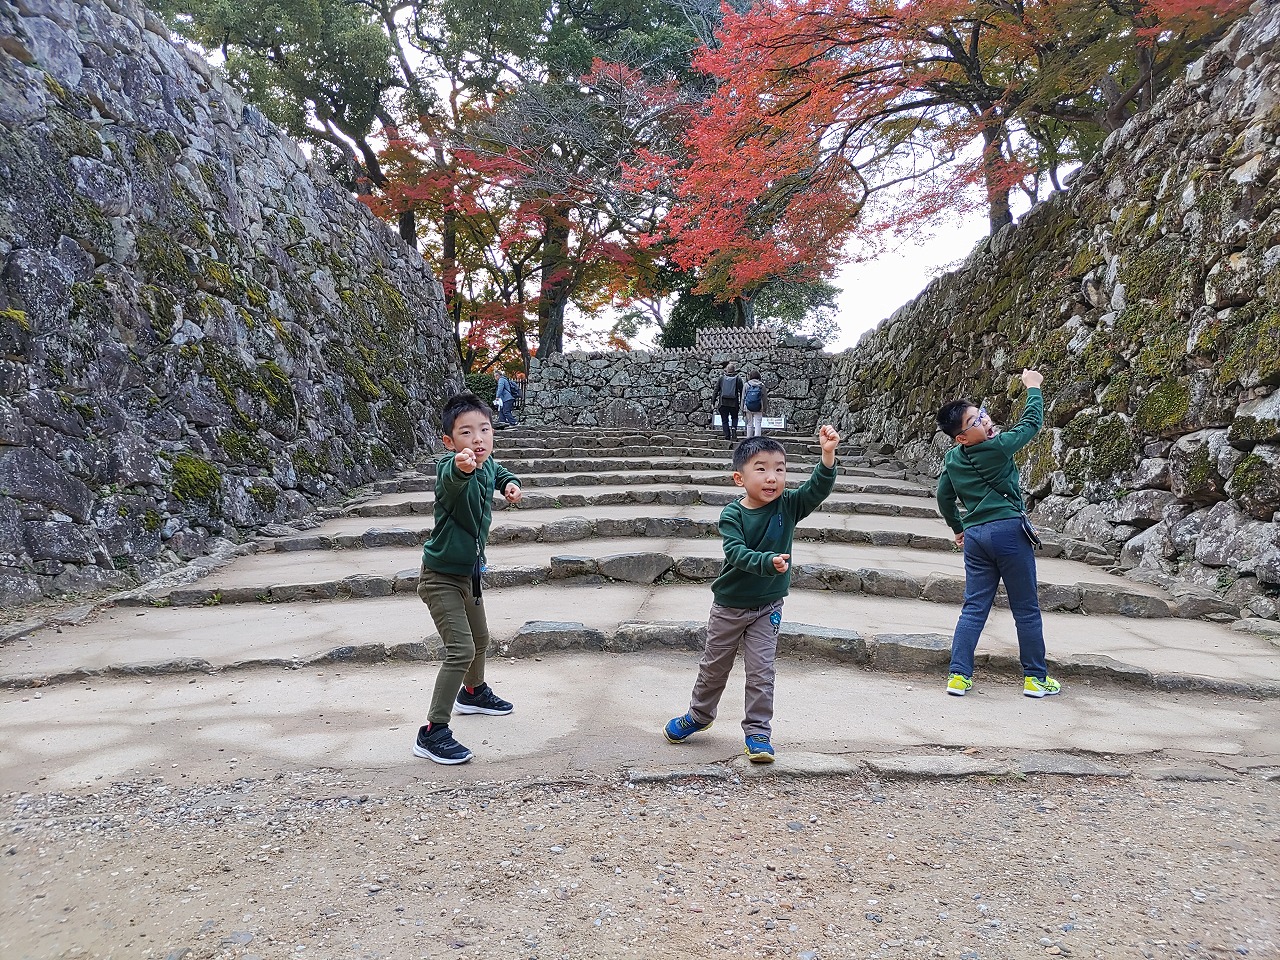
(756,632)
(465,631)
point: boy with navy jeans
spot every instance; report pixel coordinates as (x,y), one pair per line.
(757,531)
(979,472)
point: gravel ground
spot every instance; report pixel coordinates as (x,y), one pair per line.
(315,865)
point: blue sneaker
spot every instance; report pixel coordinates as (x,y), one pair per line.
(682,728)
(758,749)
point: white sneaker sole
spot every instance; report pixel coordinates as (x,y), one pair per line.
(956,693)
(465,708)
(426,754)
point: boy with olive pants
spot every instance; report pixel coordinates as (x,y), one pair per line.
(452,561)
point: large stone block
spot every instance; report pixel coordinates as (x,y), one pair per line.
(634,567)
(27,474)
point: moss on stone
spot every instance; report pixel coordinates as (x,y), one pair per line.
(397,429)
(1249,473)
(256,294)
(221,277)
(152,521)
(1247,431)
(90,223)
(243,447)
(1116,395)
(161,309)
(161,259)
(195,481)
(1163,407)
(1037,461)
(74,137)
(1253,356)
(265,497)
(1199,467)
(18,318)
(305,463)
(1099,449)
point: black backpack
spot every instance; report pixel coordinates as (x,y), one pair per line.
(728,390)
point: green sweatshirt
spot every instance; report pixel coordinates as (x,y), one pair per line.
(752,538)
(456,542)
(963,469)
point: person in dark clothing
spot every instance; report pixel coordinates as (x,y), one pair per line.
(729,398)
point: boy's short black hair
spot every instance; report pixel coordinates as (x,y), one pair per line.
(951,417)
(459,404)
(753,447)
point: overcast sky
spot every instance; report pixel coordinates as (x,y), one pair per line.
(871,291)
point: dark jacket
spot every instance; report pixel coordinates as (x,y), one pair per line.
(463,512)
(720,398)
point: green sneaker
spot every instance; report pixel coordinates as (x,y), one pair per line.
(958,685)
(1048,687)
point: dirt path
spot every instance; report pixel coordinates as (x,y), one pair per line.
(313,865)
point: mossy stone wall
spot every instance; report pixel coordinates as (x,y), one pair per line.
(1149,295)
(200,332)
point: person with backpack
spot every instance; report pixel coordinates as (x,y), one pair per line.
(729,398)
(755,404)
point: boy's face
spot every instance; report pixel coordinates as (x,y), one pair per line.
(976,427)
(473,430)
(763,477)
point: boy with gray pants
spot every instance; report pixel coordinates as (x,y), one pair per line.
(757,531)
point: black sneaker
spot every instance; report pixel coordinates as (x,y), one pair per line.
(438,745)
(482,700)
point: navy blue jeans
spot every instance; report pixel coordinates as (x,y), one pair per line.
(997,551)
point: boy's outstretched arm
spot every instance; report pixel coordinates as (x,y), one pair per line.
(823,479)
(1018,436)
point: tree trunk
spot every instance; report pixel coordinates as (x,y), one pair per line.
(409,228)
(555,281)
(999,213)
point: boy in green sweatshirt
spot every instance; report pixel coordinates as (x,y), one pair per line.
(980,473)
(452,562)
(746,611)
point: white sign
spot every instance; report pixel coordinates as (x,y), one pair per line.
(771,423)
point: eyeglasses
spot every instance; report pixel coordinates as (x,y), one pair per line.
(980,416)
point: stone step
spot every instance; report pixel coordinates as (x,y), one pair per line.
(421,483)
(652,520)
(405,504)
(808,454)
(597,464)
(891,634)
(842,568)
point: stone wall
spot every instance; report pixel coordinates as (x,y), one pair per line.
(200,332)
(1149,294)
(670,389)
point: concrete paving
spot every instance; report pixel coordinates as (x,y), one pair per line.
(575,714)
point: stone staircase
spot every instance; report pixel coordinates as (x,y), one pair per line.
(611,550)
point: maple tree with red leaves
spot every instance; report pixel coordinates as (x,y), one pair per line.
(840,117)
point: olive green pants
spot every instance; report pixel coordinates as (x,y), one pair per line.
(464,630)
